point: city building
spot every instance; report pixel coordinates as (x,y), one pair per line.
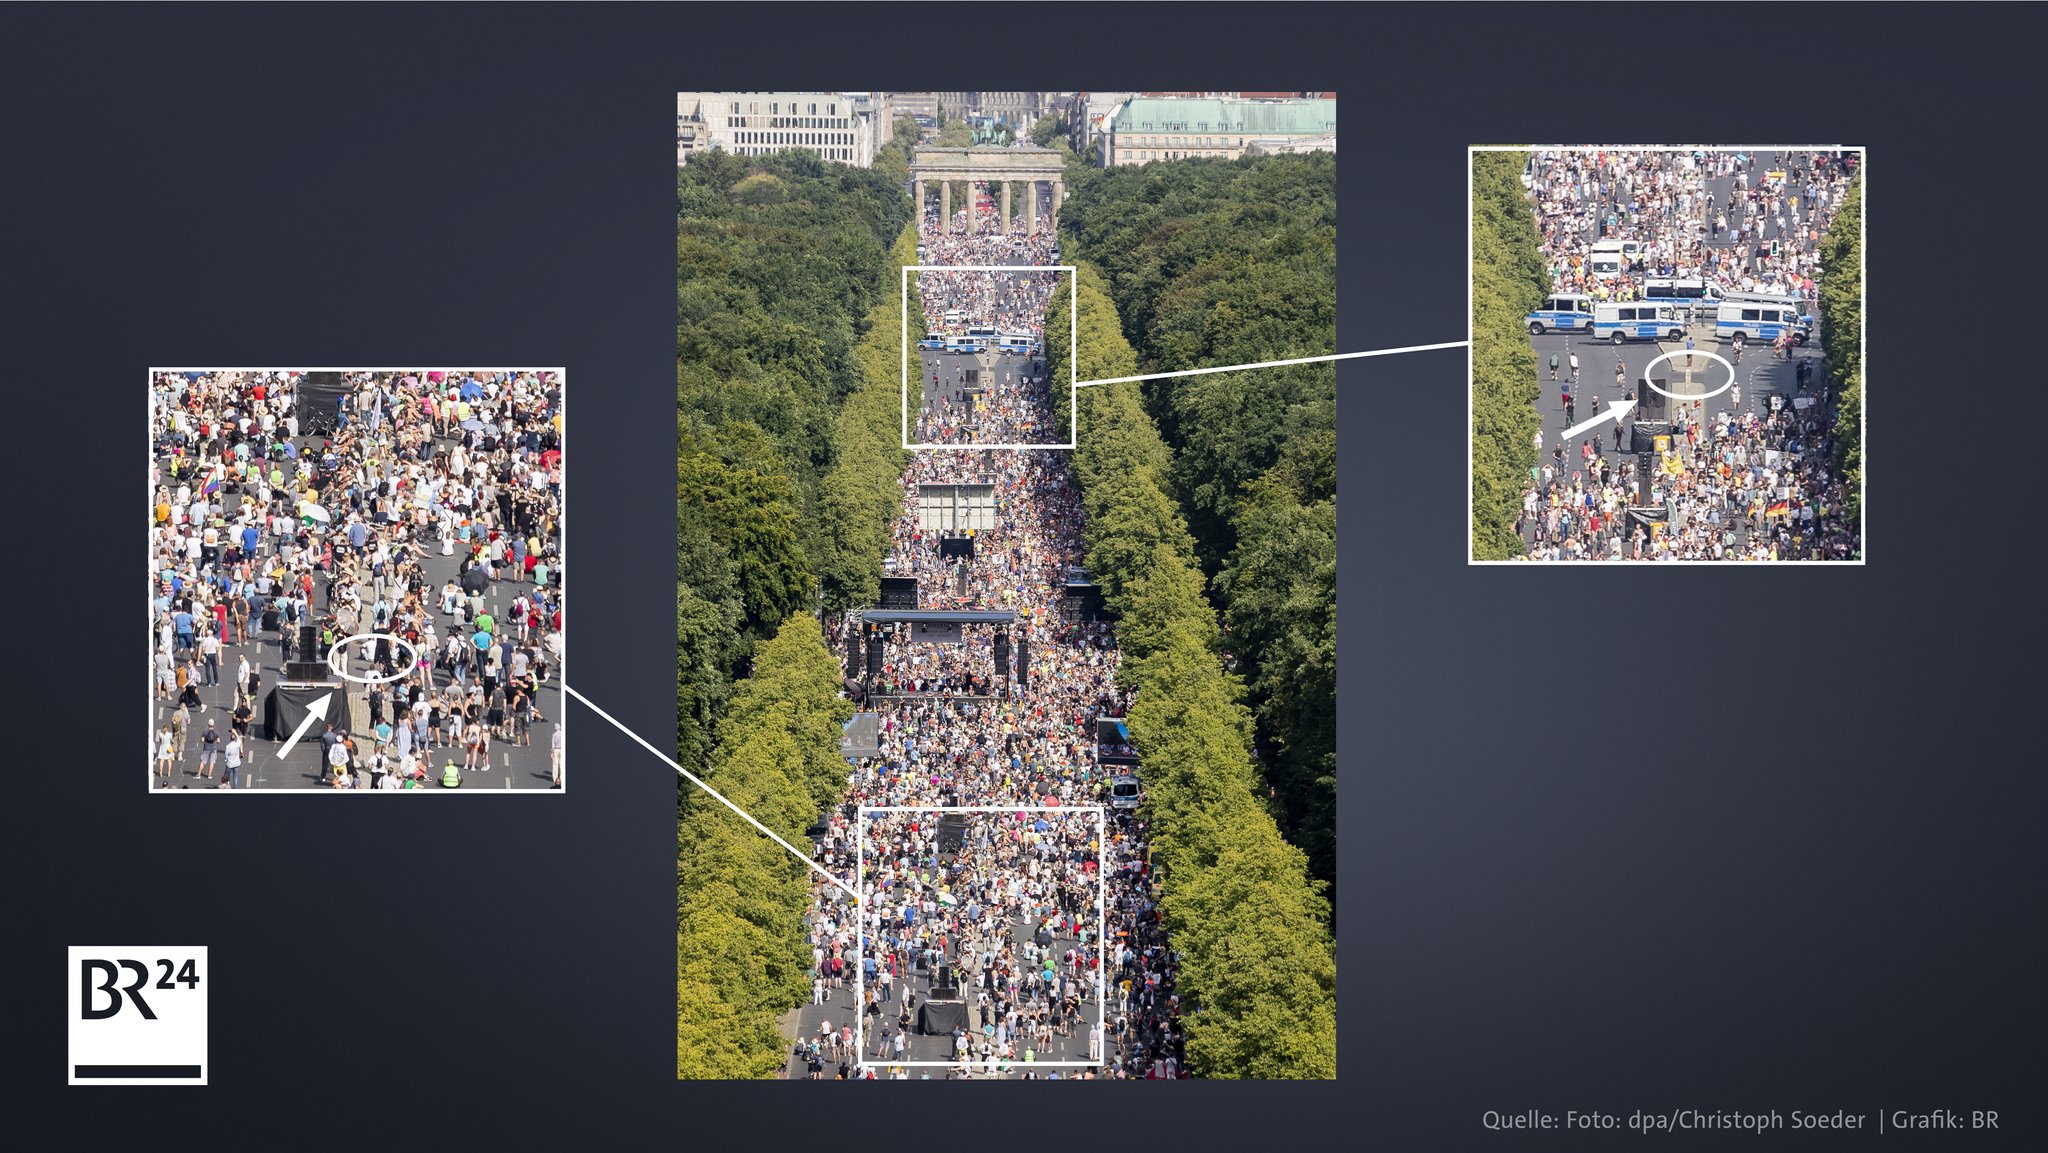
(1087,114)
(844,127)
(1150,127)
(922,105)
(1020,110)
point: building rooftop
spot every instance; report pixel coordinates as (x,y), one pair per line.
(1252,117)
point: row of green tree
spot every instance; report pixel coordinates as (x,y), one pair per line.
(789,411)
(742,955)
(1508,281)
(787,323)
(1841,320)
(1213,262)
(1252,927)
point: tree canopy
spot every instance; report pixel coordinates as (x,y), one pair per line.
(1841,324)
(1258,961)
(1508,281)
(788,317)
(1213,262)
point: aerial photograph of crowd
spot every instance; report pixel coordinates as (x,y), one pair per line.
(1035,700)
(356,580)
(1732,275)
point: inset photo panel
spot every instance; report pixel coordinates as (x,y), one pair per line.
(1667,353)
(355,580)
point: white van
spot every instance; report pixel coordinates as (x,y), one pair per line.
(1637,320)
(1737,321)
(1607,260)
(1565,311)
(1125,792)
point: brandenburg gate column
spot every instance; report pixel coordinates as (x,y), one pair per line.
(1006,206)
(970,206)
(945,206)
(1059,190)
(1031,206)
(920,199)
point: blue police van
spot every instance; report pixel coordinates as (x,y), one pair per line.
(1564,311)
(1637,320)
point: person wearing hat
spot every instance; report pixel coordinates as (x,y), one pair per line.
(451,777)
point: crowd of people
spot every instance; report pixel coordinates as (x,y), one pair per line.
(1763,235)
(1008,400)
(1734,483)
(1004,923)
(421,506)
(1736,486)
(1027,741)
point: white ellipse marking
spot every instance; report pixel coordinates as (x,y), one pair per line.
(404,669)
(1690,352)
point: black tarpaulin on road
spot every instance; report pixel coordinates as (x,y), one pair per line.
(940,1018)
(286,706)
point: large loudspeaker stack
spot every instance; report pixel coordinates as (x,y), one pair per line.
(945,986)
(1002,654)
(318,395)
(1023,659)
(853,652)
(874,654)
(952,832)
(311,665)
(1651,404)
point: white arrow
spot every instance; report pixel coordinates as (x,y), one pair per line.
(1615,413)
(314,712)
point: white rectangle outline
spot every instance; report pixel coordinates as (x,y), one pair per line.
(1073,337)
(561,714)
(1862,336)
(860,922)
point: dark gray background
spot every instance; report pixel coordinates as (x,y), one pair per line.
(1614,839)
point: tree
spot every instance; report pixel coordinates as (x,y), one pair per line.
(1213,262)
(1251,926)
(1841,322)
(1508,279)
(1049,128)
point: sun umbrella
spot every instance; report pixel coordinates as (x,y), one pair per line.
(474,425)
(312,511)
(475,579)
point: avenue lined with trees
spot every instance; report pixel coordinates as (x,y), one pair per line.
(789,463)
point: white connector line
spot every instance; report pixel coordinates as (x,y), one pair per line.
(693,779)
(1276,363)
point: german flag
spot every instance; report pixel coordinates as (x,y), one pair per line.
(1779,508)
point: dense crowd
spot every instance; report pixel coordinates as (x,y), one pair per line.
(1762,236)
(1006,923)
(426,507)
(1029,740)
(1745,486)
(1735,483)
(1009,400)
